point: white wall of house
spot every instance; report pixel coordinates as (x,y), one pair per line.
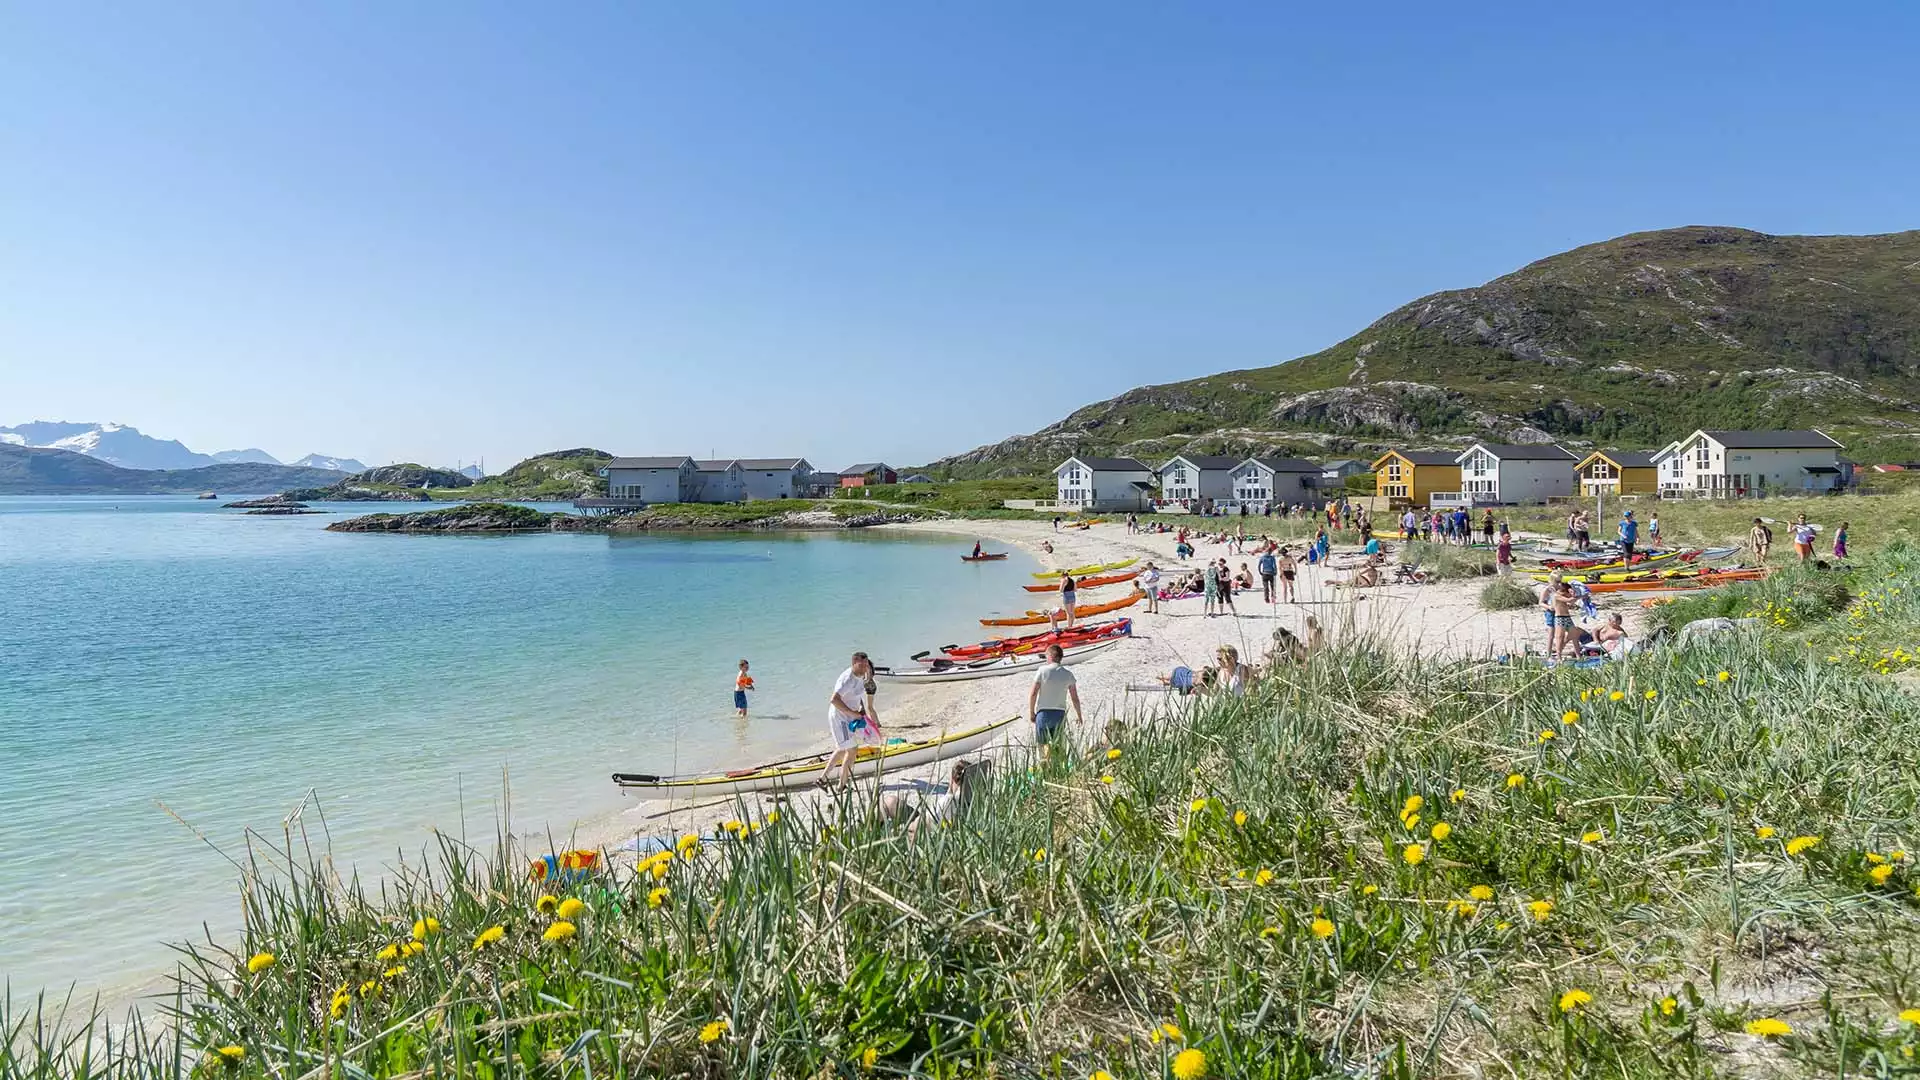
(1709,466)
(1078,485)
(1184,482)
(1530,481)
(653,485)
(718,486)
(1479,476)
(1257,487)
(775,483)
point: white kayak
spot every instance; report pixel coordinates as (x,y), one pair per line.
(987,669)
(802,772)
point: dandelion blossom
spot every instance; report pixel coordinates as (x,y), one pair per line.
(1189,1064)
(1100,1074)
(259,963)
(1197,805)
(1113,754)
(1545,734)
(423,928)
(231,1053)
(559,931)
(1462,908)
(1414,854)
(1459,795)
(1263,877)
(1724,675)
(657,897)
(1482,893)
(1875,857)
(488,936)
(571,907)
(1591,836)
(413,948)
(1764,832)
(1540,909)
(1617,695)
(869,1057)
(1369,890)
(713,1031)
(1801,843)
(1269,932)
(1322,928)
(546,904)
(342,998)
(1515,780)
(1441,830)
(1569,718)
(1910,1016)
(1412,805)
(1652,694)
(1167,1031)
(1880,874)
(1108,779)
(1667,1005)
(1239,817)
(1573,999)
(388,954)
(1040,855)
(1767,1026)
(1411,821)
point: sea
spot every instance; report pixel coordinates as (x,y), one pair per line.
(175,677)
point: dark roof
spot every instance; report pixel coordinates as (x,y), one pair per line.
(1521,452)
(1286,464)
(1428,457)
(1109,464)
(647,462)
(721,465)
(1338,463)
(772,462)
(1204,462)
(1772,440)
(1628,459)
(864,468)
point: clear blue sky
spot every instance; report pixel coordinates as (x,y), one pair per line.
(438,230)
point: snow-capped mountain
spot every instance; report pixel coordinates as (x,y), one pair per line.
(240,457)
(324,461)
(117,444)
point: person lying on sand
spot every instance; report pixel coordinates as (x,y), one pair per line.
(1368,575)
(944,808)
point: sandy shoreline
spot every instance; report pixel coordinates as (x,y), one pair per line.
(1442,619)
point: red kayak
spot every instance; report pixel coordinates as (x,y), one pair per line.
(1029,643)
(989,557)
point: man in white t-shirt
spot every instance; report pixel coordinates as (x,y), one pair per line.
(1053,688)
(852,718)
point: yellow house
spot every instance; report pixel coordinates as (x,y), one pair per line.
(1411,477)
(1618,472)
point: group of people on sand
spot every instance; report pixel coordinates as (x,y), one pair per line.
(1559,600)
(1229,675)
(1760,539)
(1437,526)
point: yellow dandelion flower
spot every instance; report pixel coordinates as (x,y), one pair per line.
(1040,855)
(1411,821)
(1545,734)
(424,928)
(1875,857)
(1239,817)
(1269,932)
(546,904)
(1617,695)
(869,1057)
(1652,694)
(1197,805)
(231,1053)
(1100,1074)
(413,948)
(1540,909)
(659,869)
(388,954)
(1503,925)
(1414,854)
(1702,681)
(1106,779)
(488,936)
(1462,908)
(773,817)
(1482,893)
(259,962)
(1592,836)
(732,825)
(688,846)
(1459,795)
(1764,832)
(1897,855)
(1880,874)
(370,988)
(1369,890)
(1413,805)
(1801,843)
(342,998)
(1322,928)
(1189,1064)
(1586,694)
(394,972)
(1167,1031)
(657,897)
(1262,876)
(1768,1027)
(1569,718)
(1667,1006)
(713,1031)
(559,931)
(570,908)
(1515,780)
(1440,831)
(1113,754)
(1573,999)
(1724,676)
(1910,1016)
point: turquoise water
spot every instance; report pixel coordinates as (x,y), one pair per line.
(162,651)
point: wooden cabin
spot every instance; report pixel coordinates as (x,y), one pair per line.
(1413,477)
(1618,472)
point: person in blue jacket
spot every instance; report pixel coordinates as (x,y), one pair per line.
(1629,532)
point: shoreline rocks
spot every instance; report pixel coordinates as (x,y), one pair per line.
(282,511)
(270,502)
(505,518)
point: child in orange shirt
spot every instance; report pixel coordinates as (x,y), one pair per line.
(742,683)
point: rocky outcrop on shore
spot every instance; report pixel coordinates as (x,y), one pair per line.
(471,518)
(271,502)
(502,517)
(282,510)
(342,493)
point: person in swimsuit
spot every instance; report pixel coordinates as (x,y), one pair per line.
(1069,602)
(1486,527)
(1762,538)
(1226,590)
(1150,581)
(1653,529)
(1283,561)
(1546,608)
(742,683)
(1563,620)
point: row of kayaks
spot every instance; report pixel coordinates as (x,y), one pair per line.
(948,669)
(1703,578)
(1035,618)
(1022,644)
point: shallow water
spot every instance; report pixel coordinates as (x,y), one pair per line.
(161,657)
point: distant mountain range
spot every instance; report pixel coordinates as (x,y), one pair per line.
(30,470)
(127,447)
(1628,343)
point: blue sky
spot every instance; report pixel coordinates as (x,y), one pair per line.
(436,231)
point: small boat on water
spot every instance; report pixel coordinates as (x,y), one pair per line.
(990,668)
(1090,582)
(1035,618)
(1091,568)
(985,556)
(206,495)
(803,771)
(1029,643)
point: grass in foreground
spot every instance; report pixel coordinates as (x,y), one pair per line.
(1697,864)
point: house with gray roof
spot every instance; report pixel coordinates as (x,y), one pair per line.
(775,478)
(1274,481)
(1103,483)
(1196,481)
(642,480)
(1723,464)
(1516,474)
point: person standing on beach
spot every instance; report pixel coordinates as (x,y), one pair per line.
(1653,530)
(1288,570)
(1053,688)
(1150,581)
(1546,609)
(1503,553)
(1840,542)
(1486,527)
(1212,590)
(1629,532)
(852,718)
(1803,531)
(1226,590)
(1761,538)
(1269,576)
(742,683)
(1069,598)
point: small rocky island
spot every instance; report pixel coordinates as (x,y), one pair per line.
(507,518)
(388,483)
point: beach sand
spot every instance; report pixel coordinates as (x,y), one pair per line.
(1438,620)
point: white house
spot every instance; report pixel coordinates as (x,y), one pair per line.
(1513,474)
(717,481)
(1260,482)
(1196,480)
(649,479)
(775,478)
(1735,463)
(1097,483)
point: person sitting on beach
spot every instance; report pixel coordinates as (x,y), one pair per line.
(963,781)
(1316,636)
(1231,676)
(1369,573)
(1287,649)
(1612,636)
(1243,579)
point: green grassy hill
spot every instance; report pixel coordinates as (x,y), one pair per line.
(558,474)
(1633,342)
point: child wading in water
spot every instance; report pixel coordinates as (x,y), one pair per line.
(742,683)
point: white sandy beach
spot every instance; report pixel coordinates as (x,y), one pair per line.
(1442,619)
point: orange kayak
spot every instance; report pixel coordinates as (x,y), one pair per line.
(1088,583)
(1035,618)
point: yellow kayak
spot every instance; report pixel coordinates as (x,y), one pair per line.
(1092,568)
(800,772)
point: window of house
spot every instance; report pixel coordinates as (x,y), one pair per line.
(1393,471)
(1179,474)
(1396,491)
(1700,458)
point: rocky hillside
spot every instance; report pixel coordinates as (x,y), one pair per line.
(557,474)
(1632,343)
(37,471)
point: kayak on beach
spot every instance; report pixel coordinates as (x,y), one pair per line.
(992,667)
(1707,579)
(1027,643)
(802,772)
(1090,583)
(1093,568)
(1035,618)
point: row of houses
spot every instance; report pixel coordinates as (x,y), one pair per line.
(645,480)
(1706,463)
(1711,464)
